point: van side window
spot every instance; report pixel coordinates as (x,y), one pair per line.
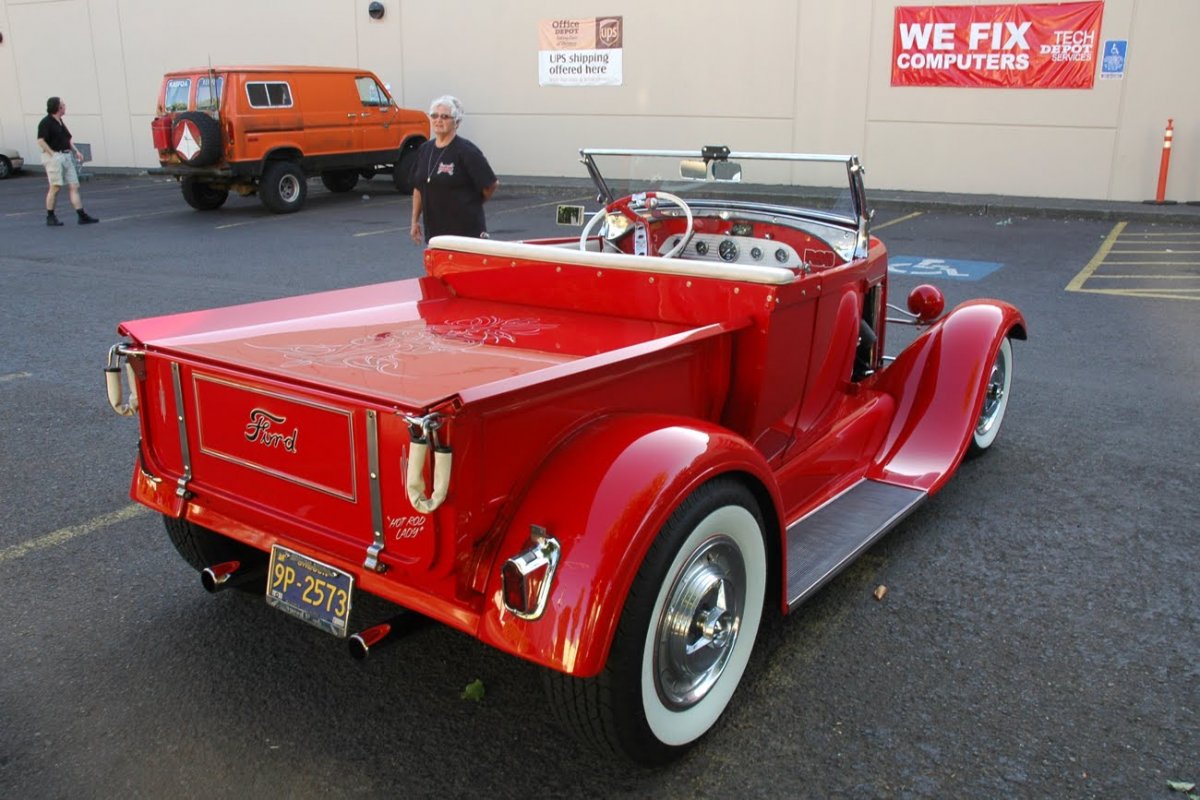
(370,92)
(269,94)
(208,93)
(176,98)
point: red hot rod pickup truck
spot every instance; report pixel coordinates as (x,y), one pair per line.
(608,454)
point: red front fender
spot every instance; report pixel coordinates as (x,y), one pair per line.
(939,383)
(604,496)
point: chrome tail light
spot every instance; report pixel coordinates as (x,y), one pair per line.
(526,577)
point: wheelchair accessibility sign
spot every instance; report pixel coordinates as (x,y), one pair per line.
(955,269)
(1113,63)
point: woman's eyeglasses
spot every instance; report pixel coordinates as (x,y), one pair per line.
(440,116)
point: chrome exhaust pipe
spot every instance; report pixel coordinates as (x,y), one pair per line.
(229,574)
(360,643)
(367,641)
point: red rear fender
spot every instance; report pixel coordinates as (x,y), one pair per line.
(603,496)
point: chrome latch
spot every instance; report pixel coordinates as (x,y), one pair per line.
(118,362)
(423,431)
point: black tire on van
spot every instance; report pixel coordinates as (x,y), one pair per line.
(203,196)
(203,139)
(402,172)
(283,187)
(339,180)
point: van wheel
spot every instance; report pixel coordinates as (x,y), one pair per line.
(685,635)
(201,547)
(283,187)
(196,138)
(342,180)
(203,196)
(402,172)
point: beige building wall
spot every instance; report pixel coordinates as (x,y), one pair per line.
(796,75)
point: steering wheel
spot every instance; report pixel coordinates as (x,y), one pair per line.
(626,207)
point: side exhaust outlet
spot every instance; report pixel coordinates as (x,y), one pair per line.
(229,574)
(367,641)
(360,643)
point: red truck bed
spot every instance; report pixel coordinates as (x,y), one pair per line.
(399,346)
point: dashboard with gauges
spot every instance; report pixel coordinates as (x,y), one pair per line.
(737,247)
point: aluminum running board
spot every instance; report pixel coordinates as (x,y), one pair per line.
(826,541)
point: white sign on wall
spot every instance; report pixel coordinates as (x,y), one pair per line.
(580,52)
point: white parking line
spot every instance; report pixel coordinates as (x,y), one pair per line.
(140,216)
(381,230)
(129,187)
(905,218)
(12,376)
(67,534)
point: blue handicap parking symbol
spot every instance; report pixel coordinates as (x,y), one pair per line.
(1112,63)
(945,268)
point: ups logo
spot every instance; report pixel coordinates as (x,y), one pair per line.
(608,31)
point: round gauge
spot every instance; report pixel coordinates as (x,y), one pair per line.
(781,255)
(728,250)
(756,253)
(702,248)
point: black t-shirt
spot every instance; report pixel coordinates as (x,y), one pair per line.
(55,133)
(451,181)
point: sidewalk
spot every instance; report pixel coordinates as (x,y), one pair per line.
(1003,205)
(981,204)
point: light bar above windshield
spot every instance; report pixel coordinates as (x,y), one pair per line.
(837,159)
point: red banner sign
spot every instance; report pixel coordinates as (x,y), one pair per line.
(1043,46)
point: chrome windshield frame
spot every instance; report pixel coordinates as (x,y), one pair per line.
(854,175)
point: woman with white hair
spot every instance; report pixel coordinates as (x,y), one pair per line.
(451,179)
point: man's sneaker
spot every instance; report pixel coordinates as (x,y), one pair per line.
(85,218)
(52,220)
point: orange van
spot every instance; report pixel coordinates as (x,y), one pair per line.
(267,130)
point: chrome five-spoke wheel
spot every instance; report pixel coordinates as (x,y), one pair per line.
(685,636)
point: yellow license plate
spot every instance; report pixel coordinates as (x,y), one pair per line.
(310,590)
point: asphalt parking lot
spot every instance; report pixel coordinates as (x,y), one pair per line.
(1039,636)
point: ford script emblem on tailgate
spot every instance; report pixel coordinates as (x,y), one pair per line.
(259,430)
